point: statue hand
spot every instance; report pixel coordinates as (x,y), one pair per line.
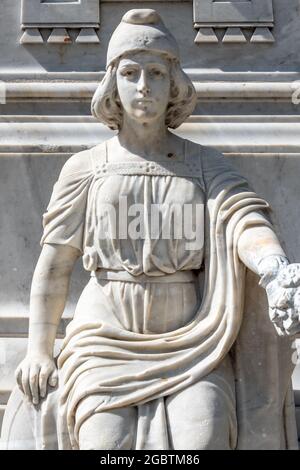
(34,374)
(284,300)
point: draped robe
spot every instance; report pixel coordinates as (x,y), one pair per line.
(130,368)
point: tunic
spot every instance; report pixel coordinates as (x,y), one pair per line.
(87,211)
(145,326)
(137,339)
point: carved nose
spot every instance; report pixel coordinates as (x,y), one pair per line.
(143,85)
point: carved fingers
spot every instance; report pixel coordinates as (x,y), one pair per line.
(34,382)
(33,376)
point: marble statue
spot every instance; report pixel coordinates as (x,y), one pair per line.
(172,344)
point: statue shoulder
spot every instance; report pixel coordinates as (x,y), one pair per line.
(80,162)
(216,165)
(210,157)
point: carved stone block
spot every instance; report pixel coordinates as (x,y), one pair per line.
(58,14)
(237,14)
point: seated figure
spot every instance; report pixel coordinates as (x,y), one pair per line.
(172,344)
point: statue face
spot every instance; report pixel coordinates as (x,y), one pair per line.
(143,81)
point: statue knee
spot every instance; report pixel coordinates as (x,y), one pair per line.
(108,431)
(201,417)
(214,434)
(106,441)
(204,434)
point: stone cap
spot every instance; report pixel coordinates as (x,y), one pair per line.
(141,30)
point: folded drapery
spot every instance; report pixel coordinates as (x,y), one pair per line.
(120,368)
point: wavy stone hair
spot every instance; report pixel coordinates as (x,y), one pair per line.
(106,106)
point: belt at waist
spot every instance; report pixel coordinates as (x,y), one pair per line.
(178,276)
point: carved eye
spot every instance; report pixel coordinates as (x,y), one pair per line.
(129,73)
(156,73)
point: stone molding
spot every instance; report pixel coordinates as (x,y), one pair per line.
(64,21)
(228,137)
(210,89)
(24,134)
(227,22)
(232,134)
(17,327)
(60,17)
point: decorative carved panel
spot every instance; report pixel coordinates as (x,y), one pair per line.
(60,16)
(234,15)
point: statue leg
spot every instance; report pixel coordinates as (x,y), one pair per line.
(202,416)
(114,430)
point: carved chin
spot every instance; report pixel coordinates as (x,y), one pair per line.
(144,113)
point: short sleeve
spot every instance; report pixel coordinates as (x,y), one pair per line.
(64,220)
(220,176)
(216,167)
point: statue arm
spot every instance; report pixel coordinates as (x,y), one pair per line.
(48,297)
(260,250)
(258,243)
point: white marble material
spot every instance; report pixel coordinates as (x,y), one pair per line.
(147,370)
(52,14)
(244,108)
(233,12)
(210,15)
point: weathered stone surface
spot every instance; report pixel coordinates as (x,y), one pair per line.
(245,108)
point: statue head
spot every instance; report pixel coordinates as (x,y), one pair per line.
(142,42)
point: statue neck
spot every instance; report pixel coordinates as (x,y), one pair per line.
(144,138)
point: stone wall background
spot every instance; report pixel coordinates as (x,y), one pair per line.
(245,108)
